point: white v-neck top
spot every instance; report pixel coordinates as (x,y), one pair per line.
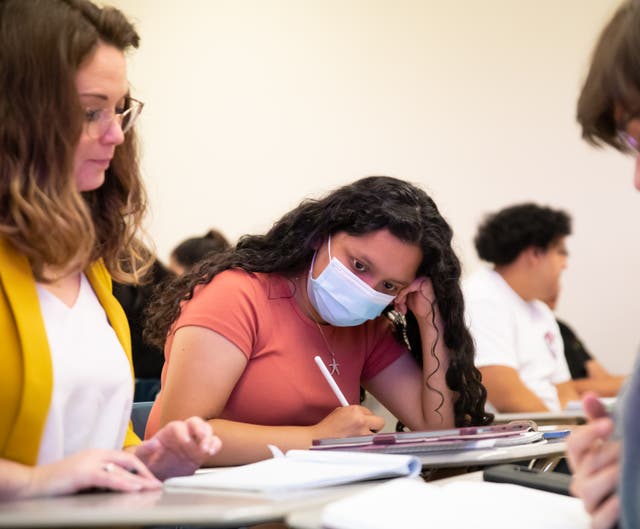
(92,386)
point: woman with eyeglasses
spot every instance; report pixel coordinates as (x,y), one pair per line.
(604,454)
(71,199)
(332,278)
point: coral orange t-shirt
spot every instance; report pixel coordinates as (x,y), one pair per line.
(281,384)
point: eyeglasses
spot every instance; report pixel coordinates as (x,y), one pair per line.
(627,140)
(97,121)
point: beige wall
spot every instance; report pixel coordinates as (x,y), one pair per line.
(252,105)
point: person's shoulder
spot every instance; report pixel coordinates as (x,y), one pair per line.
(260,284)
(233,278)
(479,280)
(483,285)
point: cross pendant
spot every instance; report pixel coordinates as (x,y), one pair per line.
(335,367)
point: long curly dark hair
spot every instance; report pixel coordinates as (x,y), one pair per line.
(368,205)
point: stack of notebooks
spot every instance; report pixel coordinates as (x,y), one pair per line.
(423,442)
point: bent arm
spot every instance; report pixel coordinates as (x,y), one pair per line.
(604,387)
(204,369)
(506,391)
(599,380)
(420,399)
(246,443)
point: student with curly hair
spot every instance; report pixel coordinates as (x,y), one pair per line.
(244,328)
(519,348)
(71,199)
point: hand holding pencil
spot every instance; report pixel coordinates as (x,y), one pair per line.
(347,419)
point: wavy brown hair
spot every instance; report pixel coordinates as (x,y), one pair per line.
(42,45)
(613,78)
(368,205)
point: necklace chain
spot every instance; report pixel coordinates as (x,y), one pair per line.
(334,366)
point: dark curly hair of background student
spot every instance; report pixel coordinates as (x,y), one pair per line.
(368,205)
(191,251)
(502,236)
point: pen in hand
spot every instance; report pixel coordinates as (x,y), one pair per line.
(332,383)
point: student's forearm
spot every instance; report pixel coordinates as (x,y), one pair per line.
(604,387)
(506,391)
(15,480)
(435,392)
(245,443)
(524,400)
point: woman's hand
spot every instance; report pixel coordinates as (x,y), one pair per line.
(180,448)
(348,421)
(418,297)
(595,461)
(110,469)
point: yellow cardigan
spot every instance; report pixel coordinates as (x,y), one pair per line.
(26,374)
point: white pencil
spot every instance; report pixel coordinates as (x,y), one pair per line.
(332,383)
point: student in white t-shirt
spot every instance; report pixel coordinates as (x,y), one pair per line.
(519,348)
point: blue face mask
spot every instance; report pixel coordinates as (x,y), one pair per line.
(341,297)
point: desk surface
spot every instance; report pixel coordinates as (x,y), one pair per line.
(544,417)
(223,508)
(167,507)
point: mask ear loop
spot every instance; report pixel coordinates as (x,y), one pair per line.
(313,260)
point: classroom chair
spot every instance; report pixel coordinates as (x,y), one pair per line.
(139,415)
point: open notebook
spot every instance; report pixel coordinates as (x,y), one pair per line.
(302,469)
(412,504)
